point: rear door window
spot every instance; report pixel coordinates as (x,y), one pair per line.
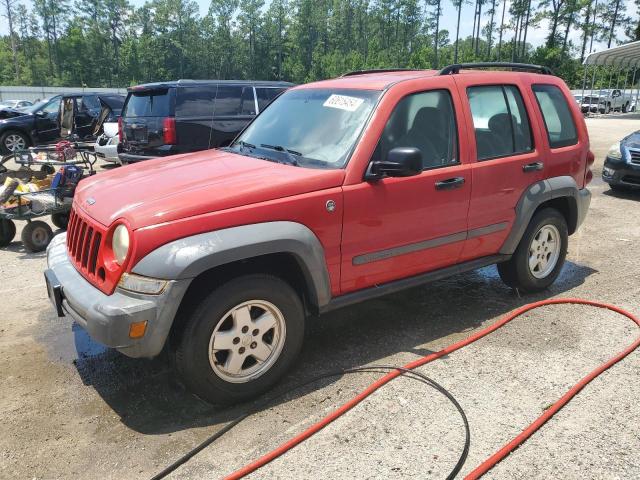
(196,101)
(266,96)
(500,121)
(155,103)
(561,129)
(228,101)
(89,102)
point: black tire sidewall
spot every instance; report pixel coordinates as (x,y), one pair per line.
(27,236)
(526,281)
(7,232)
(60,220)
(192,357)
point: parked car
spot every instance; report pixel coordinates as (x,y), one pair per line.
(106,146)
(80,114)
(169,118)
(15,104)
(605,101)
(622,164)
(341,191)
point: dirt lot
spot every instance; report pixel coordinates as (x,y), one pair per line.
(71,409)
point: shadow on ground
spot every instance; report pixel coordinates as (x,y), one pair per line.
(148,399)
(629,194)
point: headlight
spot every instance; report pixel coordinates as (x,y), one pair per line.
(139,284)
(120,243)
(608,172)
(614,152)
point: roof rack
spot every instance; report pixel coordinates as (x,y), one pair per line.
(455,68)
(378,70)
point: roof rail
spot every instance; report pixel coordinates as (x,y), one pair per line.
(455,68)
(378,70)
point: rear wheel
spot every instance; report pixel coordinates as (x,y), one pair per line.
(537,261)
(241,339)
(7,232)
(36,236)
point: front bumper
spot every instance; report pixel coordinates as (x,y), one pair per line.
(107,318)
(624,173)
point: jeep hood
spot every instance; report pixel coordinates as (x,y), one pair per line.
(166,189)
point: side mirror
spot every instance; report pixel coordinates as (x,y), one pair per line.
(41,113)
(400,162)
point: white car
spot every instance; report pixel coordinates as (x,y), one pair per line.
(106,146)
(15,104)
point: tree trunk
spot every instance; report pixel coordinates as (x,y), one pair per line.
(14,49)
(490,33)
(613,23)
(455,56)
(436,37)
(504,7)
(585,32)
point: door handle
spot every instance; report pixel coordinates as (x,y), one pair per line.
(533,167)
(450,183)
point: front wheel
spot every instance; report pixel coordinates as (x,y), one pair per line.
(241,339)
(13,141)
(537,261)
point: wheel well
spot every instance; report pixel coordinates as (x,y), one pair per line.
(18,130)
(282,265)
(567,207)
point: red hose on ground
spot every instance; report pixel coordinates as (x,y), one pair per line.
(488,464)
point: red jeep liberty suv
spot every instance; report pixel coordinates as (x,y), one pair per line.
(339,191)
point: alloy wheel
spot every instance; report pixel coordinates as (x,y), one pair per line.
(14,142)
(247,341)
(544,251)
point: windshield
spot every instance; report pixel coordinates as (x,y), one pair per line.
(309,127)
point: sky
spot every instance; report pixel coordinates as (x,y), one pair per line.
(535,36)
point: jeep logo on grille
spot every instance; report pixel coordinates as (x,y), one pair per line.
(91,201)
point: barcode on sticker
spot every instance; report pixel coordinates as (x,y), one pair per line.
(343,102)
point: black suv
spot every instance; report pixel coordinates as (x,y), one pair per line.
(168,118)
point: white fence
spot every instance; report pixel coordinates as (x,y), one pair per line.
(39,93)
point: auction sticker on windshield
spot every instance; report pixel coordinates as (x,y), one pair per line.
(343,102)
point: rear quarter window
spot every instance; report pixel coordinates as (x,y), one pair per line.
(266,95)
(561,128)
(155,103)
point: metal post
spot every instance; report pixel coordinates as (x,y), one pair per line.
(593,81)
(584,84)
(633,80)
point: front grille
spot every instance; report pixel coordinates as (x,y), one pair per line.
(84,240)
(635,156)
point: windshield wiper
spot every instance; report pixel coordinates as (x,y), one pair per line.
(244,144)
(291,154)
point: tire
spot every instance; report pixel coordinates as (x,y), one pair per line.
(607,109)
(47,169)
(517,273)
(12,139)
(216,378)
(7,232)
(625,108)
(36,236)
(60,220)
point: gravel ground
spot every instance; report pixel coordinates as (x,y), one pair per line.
(71,409)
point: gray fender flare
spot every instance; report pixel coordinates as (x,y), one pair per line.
(536,195)
(190,256)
